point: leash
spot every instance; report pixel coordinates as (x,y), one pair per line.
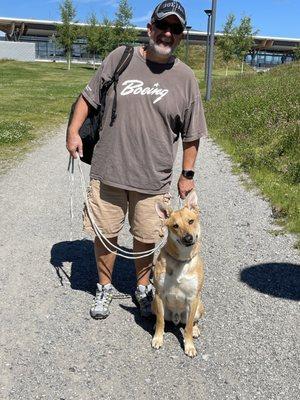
(71,192)
(180,203)
(104,240)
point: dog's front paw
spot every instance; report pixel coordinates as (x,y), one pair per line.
(157,341)
(190,350)
(196,331)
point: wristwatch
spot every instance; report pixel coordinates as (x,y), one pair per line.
(188,174)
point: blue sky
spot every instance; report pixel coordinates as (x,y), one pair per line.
(271,17)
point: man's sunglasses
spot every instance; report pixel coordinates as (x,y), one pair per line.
(175,29)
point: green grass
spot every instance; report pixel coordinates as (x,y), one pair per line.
(14,132)
(35,97)
(256,120)
(216,74)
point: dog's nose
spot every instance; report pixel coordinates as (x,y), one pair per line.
(187,239)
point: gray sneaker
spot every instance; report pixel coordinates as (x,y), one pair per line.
(102,300)
(144,296)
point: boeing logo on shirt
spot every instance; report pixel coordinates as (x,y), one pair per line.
(135,86)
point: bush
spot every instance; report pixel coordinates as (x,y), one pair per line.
(256,118)
(13,132)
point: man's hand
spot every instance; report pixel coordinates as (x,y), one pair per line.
(74,144)
(185,186)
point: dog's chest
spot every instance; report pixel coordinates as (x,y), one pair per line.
(177,287)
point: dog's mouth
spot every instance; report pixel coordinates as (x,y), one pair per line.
(188,240)
(188,244)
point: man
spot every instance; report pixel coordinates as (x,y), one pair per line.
(158,101)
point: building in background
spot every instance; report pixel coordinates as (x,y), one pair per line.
(266,52)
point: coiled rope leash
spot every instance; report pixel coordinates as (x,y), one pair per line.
(119,251)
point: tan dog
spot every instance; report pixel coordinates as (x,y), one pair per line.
(179,274)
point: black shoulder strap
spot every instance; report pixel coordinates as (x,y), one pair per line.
(123,64)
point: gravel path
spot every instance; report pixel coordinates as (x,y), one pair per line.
(51,349)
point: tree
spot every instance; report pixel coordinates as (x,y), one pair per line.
(226,43)
(237,41)
(93,33)
(243,39)
(67,32)
(296,53)
(107,40)
(123,29)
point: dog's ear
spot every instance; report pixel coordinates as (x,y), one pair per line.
(192,200)
(163,210)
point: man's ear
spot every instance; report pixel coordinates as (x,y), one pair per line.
(192,200)
(149,28)
(163,210)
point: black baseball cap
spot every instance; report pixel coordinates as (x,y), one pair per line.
(166,8)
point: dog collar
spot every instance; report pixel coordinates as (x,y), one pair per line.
(180,259)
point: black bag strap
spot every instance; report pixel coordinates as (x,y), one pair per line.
(122,65)
(124,62)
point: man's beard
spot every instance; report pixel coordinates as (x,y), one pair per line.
(161,50)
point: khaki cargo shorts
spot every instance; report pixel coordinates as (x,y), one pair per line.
(109,206)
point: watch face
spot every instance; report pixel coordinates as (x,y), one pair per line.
(188,174)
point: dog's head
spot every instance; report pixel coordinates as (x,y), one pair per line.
(184,224)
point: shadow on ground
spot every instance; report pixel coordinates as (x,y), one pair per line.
(83,272)
(275,279)
(148,324)
(82,275)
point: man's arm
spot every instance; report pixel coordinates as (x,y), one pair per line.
(73,140)
(190,151)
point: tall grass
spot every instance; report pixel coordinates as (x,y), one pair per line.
(256,119)
(196,59)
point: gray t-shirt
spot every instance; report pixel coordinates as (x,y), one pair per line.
(157,104)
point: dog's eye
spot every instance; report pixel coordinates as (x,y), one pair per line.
(175,226)
(191,221)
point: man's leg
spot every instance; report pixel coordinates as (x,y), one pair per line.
(105,261)
(145,227)
(105,264)
(143,265)
(109,207)
(143,293)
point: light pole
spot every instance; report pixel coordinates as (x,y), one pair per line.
(208,13)
(187,44)
(211,49)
